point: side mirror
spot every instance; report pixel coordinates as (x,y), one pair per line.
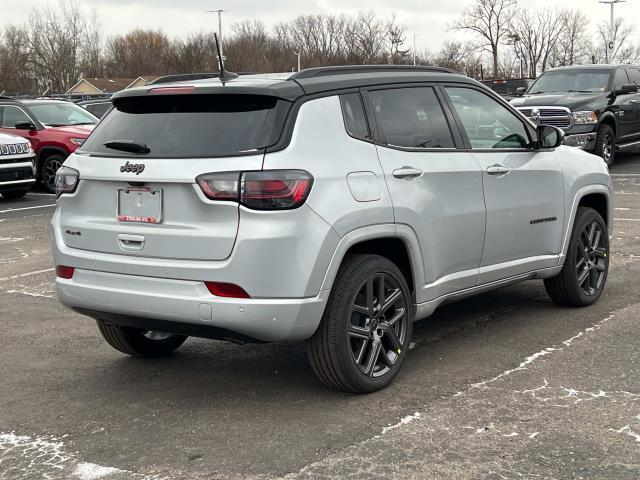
(549,137)
(627,89)
(24,126)
(520,91)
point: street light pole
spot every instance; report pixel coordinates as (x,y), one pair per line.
(414,49)
(298,54)
(610,44)
(219,12)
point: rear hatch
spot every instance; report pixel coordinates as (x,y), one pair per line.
(138,194)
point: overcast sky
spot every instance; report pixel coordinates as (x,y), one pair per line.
(427,18)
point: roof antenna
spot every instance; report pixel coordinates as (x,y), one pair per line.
(223,75)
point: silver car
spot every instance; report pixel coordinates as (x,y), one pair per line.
(333,205)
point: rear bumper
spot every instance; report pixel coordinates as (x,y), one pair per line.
(187,307)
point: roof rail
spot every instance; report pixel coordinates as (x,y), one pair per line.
(346,69)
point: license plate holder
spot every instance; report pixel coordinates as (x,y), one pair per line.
(139,205)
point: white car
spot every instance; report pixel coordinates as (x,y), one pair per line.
(17,166)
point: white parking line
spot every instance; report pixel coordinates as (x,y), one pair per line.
(27,208)
(28,274)
(624,175)
(627,219)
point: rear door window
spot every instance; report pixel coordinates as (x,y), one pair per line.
(411,117)
(191,125)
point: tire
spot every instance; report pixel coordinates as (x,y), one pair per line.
(342,350)
(47,171)
(588,252)
(605,143)
(139,343)
(14,194)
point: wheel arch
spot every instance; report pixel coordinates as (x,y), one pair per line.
(609,119)
(398,243)
(597,197)
(46,151)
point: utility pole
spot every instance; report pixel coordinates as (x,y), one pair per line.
(414,48)
(219,12)
(298,54)
(611,44)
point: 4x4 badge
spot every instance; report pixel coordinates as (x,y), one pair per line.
(136,168)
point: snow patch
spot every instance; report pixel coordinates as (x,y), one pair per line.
(91,471)
(627,431)
(403,421)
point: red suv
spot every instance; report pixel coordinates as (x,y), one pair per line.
(55,128)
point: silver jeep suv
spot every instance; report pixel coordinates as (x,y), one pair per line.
(333,205)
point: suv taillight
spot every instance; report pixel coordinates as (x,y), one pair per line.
(263,190)
(66,180)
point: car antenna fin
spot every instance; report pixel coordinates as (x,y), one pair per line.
(223,75)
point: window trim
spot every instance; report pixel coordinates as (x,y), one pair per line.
(529,128)
(378,139)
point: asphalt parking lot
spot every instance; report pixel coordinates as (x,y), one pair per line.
(505,385)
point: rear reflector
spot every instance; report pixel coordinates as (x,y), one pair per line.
(65,272)
(227,290)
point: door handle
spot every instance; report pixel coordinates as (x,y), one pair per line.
(498,170)
(407,172)
(633,100)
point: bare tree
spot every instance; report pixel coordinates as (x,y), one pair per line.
(489,20)
(536,35)
(15,71)
(573,45)
(55,38)
(92,64)
(139,52)
(623,51)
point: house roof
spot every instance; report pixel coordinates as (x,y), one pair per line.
(105,85)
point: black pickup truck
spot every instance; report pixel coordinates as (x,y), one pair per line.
(598,106)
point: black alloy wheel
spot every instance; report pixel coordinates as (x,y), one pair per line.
(377,325)
(49,168)
(591,258)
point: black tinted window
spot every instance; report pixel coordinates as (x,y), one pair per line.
(191,125)
(99,109)
(621,79)
(634,75)
(355,120)
(411,117)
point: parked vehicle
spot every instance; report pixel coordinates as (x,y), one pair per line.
(598,106)
(98,107)
(17,166)
(509,89)
(332,205)
(55,129)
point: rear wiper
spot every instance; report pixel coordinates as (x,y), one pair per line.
(127,146)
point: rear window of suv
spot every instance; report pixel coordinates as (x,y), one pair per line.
(191,125)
